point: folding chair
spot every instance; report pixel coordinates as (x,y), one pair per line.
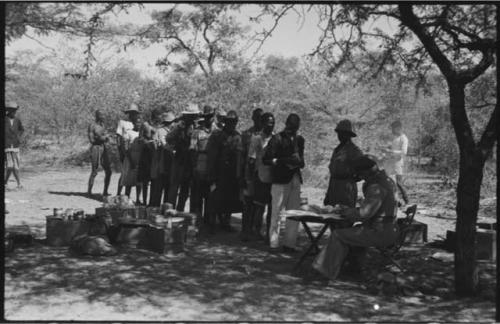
(404,228)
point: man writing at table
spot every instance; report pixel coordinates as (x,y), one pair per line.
(377,213)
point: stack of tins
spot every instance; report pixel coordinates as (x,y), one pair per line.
(137,212)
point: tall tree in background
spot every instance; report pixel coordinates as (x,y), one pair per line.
(203,37)
(460,40)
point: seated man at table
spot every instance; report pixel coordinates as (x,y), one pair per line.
(377,213)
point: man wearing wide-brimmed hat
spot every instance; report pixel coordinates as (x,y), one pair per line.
(13,132)
(181,172)
(161,161)
(198,148)
(342,188)
(123,127)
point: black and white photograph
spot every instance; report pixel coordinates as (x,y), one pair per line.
(250,162)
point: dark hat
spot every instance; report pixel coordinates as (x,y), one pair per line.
(363,163)
(345,126)
(11,105)
(133,107)
(208,111)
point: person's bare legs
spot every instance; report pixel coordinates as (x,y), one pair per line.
(107,179)
(16,176)
(93,174)
(7,175)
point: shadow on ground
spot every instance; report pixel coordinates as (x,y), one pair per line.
(97,197)
(219,278)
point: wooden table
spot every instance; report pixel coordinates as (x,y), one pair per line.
(331,221)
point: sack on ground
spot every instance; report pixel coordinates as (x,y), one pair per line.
(91,245)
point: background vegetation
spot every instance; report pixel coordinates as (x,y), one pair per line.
(58,108)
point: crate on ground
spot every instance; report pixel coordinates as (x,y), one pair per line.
(137,212)
(19,235)
(59,232)
(163,240)
(417,232)
(486,244)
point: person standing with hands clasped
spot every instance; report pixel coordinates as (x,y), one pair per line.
(285,153)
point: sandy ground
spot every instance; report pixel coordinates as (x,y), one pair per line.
(217,279)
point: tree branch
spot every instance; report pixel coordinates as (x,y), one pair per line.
(409,19)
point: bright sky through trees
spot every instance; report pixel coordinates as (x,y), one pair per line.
(292,37)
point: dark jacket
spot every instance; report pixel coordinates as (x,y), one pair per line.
(179,138)
(289,152)
(13,132)
(224,151)
(342,187)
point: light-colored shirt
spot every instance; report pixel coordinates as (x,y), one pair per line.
(258,144)
(395,163)
(130,136)
(160,136)
(123,127)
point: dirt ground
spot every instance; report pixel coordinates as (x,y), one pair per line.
(219,278)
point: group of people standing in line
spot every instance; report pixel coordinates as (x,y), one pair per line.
(201,155)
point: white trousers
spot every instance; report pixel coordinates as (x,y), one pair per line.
(284,197)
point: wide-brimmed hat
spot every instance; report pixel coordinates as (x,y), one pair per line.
(345,125)
(133,107)
(192,109)
(11,105)
(167,117)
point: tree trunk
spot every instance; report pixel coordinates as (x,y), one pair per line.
(468,194)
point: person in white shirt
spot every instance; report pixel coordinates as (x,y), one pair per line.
(396,153)
(123,127)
